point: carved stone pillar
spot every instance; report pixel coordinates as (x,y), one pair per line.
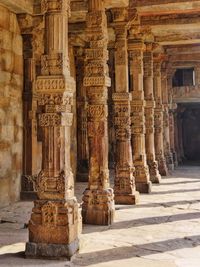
(124,188)
(166,133)
(143,183)
(98,200)
(53,227)
(82,137)
(149,114)
(158,117)
(31,146)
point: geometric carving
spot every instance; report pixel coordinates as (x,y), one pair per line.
(97,111)
(49,214)
(49,120)
(51,83)
(50,187)
(97,81)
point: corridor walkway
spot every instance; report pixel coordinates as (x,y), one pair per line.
(163,230)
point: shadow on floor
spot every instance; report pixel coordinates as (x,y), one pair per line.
(184,182)
(175,191)
(143,222)
(19,259)
(159,204)
(120,253)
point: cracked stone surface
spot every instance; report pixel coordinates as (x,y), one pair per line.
(162,230)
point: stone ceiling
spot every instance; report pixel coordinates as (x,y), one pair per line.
(172,22)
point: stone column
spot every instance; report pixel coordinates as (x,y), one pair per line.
(82,137)
(166,133)
(124,188)
(31,146)
(53,227)
(149,114)
(143,183)
(98,200)
(158,117)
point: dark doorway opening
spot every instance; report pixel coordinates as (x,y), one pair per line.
(191,131)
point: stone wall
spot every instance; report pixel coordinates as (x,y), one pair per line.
(11,84)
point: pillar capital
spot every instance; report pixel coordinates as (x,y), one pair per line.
(55,6)
(119,15)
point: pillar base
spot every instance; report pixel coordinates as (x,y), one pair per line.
(155,179)
(142,178)
(98,206)
(125,199)
(162,167)
(143,187)
(169,160)
(53,229)
(171,166)
(51,251)
(155,176)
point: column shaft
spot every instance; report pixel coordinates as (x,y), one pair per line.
(149,114)
(82,136)
(53,227)
(158,117)
(124,188)
(143,184)
(98,200)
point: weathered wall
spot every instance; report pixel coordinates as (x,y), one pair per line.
(11,84)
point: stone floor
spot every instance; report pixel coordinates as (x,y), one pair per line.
(163,230)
